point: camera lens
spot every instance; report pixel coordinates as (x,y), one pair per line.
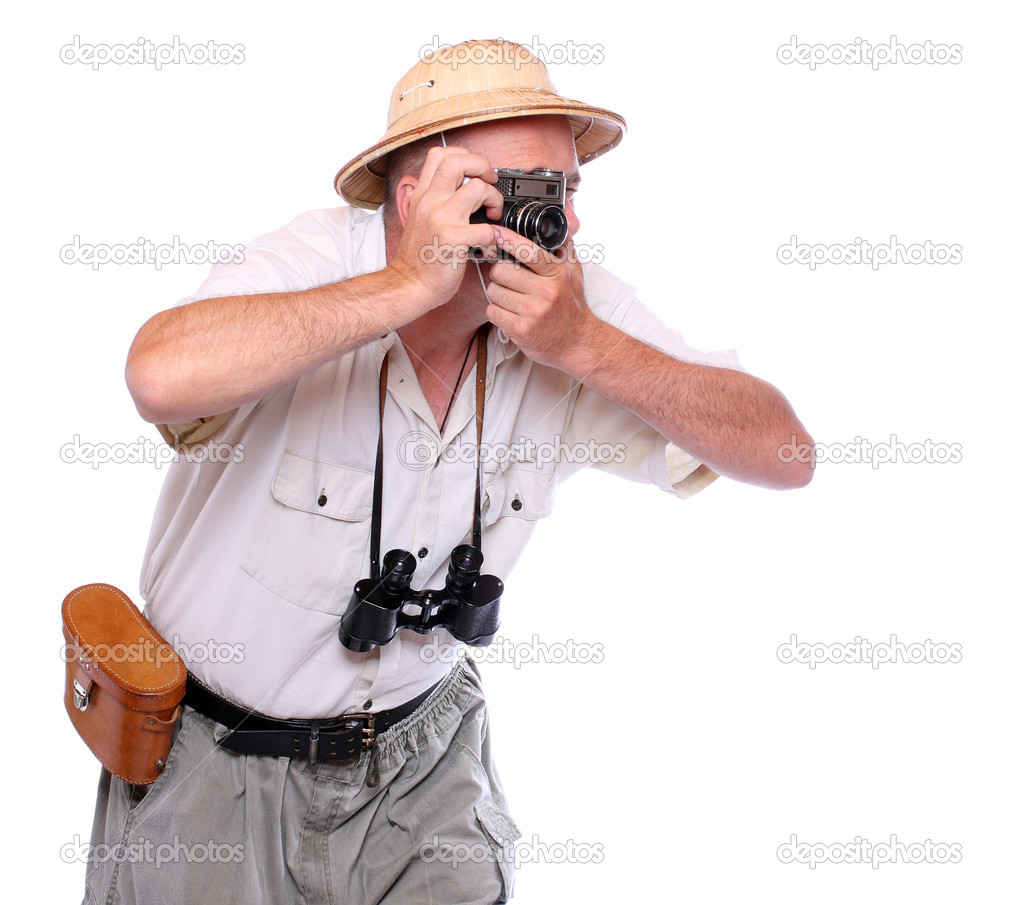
(464,569)
(550,229)
(544,224)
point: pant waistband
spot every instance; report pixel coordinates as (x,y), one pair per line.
(336,738)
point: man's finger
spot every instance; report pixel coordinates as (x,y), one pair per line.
(505,298)
(475,194)
(525,252)
(514,275)
(448,167)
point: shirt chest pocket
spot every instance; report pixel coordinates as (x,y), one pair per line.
(519,492)
(310,542)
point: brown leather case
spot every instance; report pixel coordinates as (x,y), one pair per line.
(124,682)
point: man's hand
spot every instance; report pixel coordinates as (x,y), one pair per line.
(732,422)
(436,233)
(538,300)
(214,355)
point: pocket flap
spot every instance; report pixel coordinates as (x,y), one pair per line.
(335,491)
(521,492)
(499,825)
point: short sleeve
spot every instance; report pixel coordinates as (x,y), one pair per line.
(315,249)
(183,437)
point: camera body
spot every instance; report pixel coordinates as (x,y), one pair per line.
(468,606)
(534,207)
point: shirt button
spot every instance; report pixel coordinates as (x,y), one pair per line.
(516,503)
(321,500)
(367,705)
(422,552)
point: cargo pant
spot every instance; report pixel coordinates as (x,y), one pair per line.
(418,818)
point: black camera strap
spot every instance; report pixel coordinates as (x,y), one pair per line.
(378,475)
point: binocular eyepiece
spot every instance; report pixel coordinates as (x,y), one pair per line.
(468,606)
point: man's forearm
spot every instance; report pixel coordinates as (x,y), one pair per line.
(212,356)
(732,422)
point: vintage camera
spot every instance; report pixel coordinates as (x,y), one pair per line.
(468,606)
(534,207)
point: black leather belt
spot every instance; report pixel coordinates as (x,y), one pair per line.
(335,738)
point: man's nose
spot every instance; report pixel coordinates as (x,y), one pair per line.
(573,220)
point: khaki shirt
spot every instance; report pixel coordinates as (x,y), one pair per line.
(255,549)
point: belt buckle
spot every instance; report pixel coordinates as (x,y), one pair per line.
(348,721)
(368,730)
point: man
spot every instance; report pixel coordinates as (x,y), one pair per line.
(350,335)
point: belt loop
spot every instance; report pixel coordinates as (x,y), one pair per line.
(314,741)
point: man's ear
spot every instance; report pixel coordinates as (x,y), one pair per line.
(403,196)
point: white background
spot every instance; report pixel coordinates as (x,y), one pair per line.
(690,753)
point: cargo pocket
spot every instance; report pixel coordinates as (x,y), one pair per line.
(311,539)
(139,794)
(502,834)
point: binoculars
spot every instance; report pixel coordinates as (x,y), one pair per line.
(468,606)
